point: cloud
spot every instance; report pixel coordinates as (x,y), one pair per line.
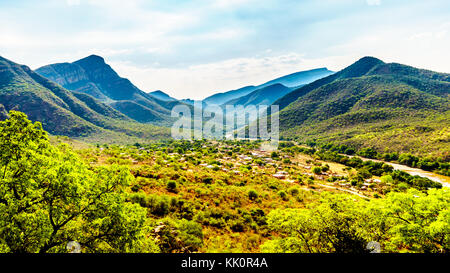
(373,2)
(200,81)
(229,3)
(193,48)
(73,2)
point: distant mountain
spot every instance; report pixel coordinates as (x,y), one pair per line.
(161,95)
(221,98)
(300,78)
(263,96)
(388,106)
(291,80)
(63,112)
(92,76)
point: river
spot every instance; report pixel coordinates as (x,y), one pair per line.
(444,180)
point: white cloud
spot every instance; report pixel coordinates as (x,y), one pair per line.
(229,3)
(73,2)
(373,2)
(417,47)
(200,81)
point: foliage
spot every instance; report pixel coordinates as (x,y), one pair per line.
(48,197)
(411,221)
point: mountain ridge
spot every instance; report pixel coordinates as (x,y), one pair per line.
(93,76)
(290,80)
(262,96)
(370,104)
(61,111)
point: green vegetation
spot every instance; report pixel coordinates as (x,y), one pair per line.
(402,222)
(438,165)
(370,104)
(207,196)
(62,112)
(48,197)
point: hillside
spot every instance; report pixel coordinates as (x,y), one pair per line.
(292,80)
(161,95)
(263,96)
(389,107)
(62,112)
(357,69)
(92,76)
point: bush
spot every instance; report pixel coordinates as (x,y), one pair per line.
(207,180)
(317,170)
(293,191)
(252,194)
(283,195)
(172,186)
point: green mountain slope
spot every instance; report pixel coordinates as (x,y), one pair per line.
(92,76)
(370,103)
(137,111)
(62,112)
(357,69)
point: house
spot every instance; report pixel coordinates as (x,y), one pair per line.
(279,176)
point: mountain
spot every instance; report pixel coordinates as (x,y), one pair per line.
(63,112)
(291,80)
(92,76)
(161,96)
(263,96)
(300,78)
(388,106)
(357,69)
(221,98)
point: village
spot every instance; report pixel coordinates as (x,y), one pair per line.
(299,169)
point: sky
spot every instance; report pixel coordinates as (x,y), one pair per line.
(194,48)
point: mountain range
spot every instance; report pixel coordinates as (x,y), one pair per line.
(372,104)
(263,96)
(92,76)
(388,106)
(64,112)
(291,81)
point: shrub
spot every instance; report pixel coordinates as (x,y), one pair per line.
(293,191)
(252,194)
(171,186)
(207,180)
(317,170)
(283,195)
(325,168)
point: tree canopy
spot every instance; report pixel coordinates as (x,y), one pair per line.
(49,197)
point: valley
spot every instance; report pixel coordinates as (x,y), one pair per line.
(363,157)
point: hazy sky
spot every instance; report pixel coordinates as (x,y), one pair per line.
(195,48)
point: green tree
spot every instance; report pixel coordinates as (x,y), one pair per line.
(333,226)
(49,197)
(417,221)
(317,170)
(172,186)
(252,194)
